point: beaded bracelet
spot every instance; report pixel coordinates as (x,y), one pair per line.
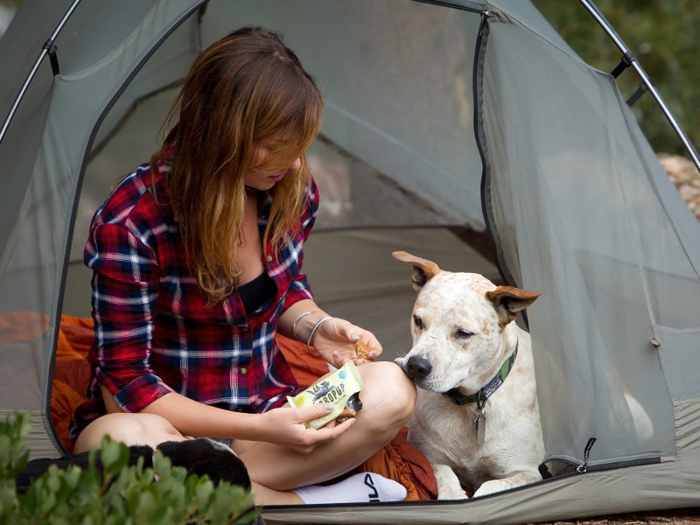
(294,326)
(313,331)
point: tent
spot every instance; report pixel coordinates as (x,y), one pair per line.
(463,131)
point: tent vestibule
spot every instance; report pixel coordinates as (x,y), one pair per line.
(463,131)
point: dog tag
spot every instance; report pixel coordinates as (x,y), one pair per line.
(480,425)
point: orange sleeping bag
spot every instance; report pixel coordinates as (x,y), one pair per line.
(398,460)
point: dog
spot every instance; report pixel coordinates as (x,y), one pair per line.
(476,417)
(198,456)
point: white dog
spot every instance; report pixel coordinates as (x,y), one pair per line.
(476,419)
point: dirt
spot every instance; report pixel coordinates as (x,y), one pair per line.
(677,517)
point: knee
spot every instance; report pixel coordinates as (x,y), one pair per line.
(390,396)
(151,429)
(131,429)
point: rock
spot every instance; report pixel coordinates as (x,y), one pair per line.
(685,177)
(689,193)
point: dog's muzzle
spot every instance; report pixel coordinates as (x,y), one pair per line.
(417,368)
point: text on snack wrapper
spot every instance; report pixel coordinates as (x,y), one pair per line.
(324,393)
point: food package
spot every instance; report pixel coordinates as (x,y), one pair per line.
(340,388)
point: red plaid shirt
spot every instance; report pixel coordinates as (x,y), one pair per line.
(153,334)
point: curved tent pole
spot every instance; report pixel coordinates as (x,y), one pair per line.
(48,46)
(632,61)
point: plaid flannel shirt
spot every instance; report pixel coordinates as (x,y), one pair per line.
(153,334)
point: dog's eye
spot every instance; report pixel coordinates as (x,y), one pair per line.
(463,334)
(418,322)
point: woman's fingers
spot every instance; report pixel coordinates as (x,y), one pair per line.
(303,414)
(333,431)
(340,337)
(308,439)
(365,338)
(375,348)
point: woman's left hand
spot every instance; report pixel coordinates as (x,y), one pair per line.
(335,340)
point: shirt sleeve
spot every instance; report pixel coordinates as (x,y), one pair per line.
(299,288)
(124,297)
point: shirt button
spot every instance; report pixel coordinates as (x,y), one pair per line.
(269,258)
(244,328)
(243,371)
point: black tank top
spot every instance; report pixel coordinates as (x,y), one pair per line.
(255,293)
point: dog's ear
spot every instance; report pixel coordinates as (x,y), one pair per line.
(423,270)
(509,301)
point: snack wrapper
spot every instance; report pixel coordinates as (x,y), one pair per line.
(338,388)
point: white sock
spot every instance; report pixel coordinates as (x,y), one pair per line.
(365,487)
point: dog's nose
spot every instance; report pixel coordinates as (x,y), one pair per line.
(418,367)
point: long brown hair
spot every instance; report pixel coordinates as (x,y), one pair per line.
(246,88)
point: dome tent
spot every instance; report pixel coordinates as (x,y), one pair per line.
(444,120)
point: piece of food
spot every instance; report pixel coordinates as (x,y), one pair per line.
(362,349)
(352,407)
(340,388)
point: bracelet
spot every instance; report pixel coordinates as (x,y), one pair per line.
(313,331)
(294,326)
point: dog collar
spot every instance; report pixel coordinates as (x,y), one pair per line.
(486,391)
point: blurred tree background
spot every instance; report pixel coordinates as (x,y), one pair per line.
(664,36)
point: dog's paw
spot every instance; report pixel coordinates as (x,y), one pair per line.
(493,486)
(452,493)
(448,483)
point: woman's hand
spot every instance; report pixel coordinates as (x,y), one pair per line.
(285,426)
(335,340)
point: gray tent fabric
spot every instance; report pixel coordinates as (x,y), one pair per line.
(591,259)
(445,122)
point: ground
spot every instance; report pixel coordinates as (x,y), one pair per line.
(677,517)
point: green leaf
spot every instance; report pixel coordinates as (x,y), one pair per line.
(53,481)
(204,491)
(5,443)
(248,517)
(76,496)
(71,476)
(115,456)
(163,464)
(147,504)
(23,424)
(28,503)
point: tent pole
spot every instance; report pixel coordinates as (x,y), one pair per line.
(35,68)
(598,16)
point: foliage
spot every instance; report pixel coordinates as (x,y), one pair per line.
(663,36)
(127,495)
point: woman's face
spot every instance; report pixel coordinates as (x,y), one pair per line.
(261,178)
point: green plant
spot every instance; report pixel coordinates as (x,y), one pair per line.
(126,495)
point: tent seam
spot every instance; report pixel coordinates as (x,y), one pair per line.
(78,188)
(635,248)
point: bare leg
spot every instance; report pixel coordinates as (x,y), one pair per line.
(264,496)
(388,400)
(132,429)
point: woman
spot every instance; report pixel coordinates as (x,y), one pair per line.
(196,259)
